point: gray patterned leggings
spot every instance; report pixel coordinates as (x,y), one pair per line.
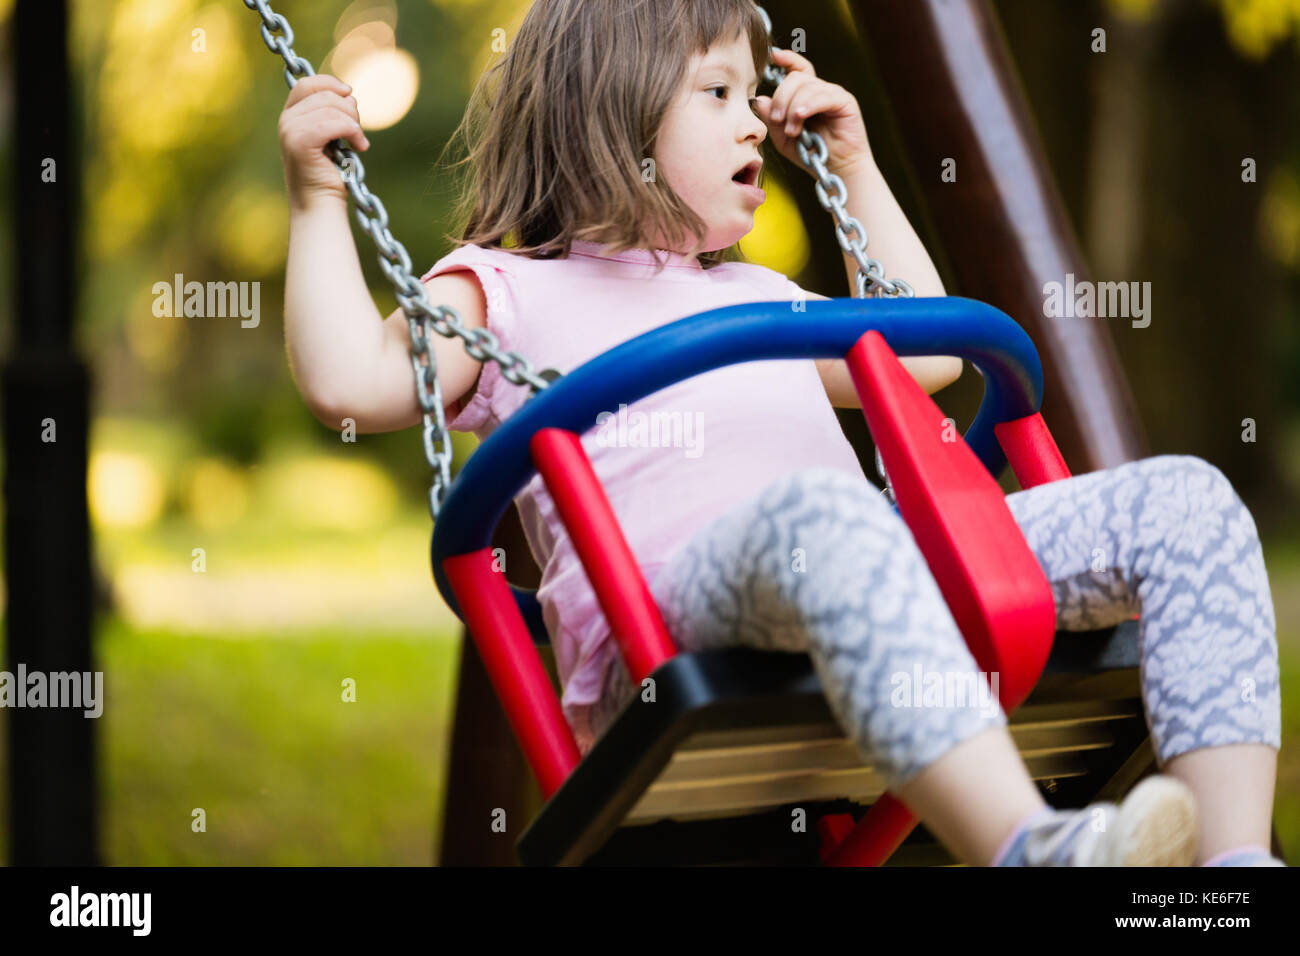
(819,563)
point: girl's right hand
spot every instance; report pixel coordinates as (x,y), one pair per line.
(319,109)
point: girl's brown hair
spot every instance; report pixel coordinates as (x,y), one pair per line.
(559,130)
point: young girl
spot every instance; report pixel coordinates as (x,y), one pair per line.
(613,163)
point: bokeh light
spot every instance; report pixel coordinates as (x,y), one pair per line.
(125,490)
(384,78)
(1255,27)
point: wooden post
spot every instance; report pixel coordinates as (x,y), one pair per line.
(954,94)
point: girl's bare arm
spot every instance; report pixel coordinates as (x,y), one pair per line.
(345,361)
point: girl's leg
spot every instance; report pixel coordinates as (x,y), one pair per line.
(1169,538)
(1234,793)
(818,563)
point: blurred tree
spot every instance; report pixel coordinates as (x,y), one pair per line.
(1148,139)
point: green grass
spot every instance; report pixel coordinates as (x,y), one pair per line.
(255,732)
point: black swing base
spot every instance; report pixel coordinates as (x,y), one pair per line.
(714,770)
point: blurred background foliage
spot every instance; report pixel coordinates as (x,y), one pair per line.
(224,686)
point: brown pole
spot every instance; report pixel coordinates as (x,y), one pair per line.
(954,95)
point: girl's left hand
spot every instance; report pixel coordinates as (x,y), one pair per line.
(828,109)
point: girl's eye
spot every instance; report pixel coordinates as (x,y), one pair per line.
(723,91)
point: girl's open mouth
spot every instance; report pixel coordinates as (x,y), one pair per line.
(747,175)
(747,179)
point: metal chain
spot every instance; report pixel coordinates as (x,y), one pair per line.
(832,193)
(850,232)
(421,315)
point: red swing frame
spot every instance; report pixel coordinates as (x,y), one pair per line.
(957,513)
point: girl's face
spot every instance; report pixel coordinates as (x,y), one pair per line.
(709,133)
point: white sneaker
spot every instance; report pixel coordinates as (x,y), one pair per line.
(1154,826)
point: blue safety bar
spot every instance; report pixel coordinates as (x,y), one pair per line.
(826,328)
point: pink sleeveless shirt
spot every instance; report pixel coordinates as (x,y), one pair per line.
(670,462)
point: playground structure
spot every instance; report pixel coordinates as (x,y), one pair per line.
(737,739)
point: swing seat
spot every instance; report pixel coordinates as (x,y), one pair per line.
(738,757)
(738,740)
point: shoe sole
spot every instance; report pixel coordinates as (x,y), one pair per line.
(1154,826)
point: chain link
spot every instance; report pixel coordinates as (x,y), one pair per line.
(422,316)
(833,194)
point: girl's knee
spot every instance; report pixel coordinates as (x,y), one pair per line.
(1206,487)
(1191,507)
(1199,470)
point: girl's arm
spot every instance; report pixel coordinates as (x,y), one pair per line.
(802,96)
(345,362)
(892,240)
(890,237)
